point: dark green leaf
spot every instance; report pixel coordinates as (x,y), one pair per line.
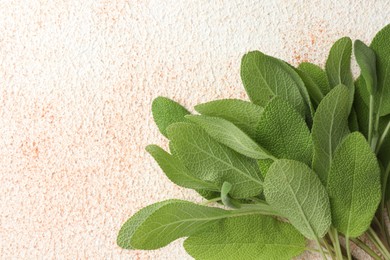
(354,186)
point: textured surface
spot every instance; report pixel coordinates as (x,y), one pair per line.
(355,169)
(77,79)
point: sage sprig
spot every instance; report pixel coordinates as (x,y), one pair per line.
(308,158)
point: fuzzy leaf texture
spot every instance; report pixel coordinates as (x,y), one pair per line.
(284,133)
(163,222)
(245,115)
(230,135)
(166,112)
(317,74)
(252,237)
(214,162)
(330,126)
(354,186)
(295,191)
(176,171)
(380,45)
(265,77)
(366,59)
(338,64)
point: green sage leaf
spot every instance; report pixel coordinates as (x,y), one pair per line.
(338,64)
(295,191)
(176,171)
(161,223)
(265,77)
(317,74)
(245,115)
(330,126)
(166,112)
(381,47)
(252,237)
(230,135)
(211,161)
(366,59)
(354,186)
(284,133)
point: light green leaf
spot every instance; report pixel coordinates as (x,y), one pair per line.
(265,77)
(380,45)
(161,223)
(251,237)
(245,115)
(128,229)
(295,191)
(176,171)
(166,112)
(366,59)
(317,74)
(354,186)
(338,64)
(284,133)
(211,161)
(330,126)
(230,135)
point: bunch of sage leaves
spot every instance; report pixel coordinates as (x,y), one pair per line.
(308,158)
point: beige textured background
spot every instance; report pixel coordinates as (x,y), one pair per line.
(76,83)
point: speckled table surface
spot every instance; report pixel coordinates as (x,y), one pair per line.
(76,83)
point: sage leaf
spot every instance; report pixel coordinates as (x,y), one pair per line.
(211,161)
(245,115)
(384,140)
(161,223)
(230,135)
(330,126)
(360,106)
(338,64)
(249,237)
(166,112)
(366,59)
(312,87)
(176,171)
(317,75)
(295,191)
(265,77)
(284,133)
(381,47)
(354,186)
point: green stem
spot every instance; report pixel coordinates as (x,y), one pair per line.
(261,208)
(366,248)
(329,249)
(382,138)
(370,120)
(320,249)
(378,243)
(210,201)
(348,247)
(383,205)
(337,247)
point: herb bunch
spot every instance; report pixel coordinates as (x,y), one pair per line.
(307,159)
